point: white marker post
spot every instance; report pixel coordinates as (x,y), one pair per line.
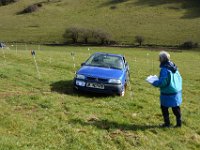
(4,56)
(36,65)
(152,66)
(147,58)
(38,47)
(89,51)
(26,47)
(16,48)
(130,87)
(73,58)
(50,60)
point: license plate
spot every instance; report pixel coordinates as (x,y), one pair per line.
(95,85)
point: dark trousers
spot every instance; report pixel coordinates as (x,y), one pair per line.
(176,111)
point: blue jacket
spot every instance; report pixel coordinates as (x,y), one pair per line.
(170,84)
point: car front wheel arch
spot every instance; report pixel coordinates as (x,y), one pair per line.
(123,90)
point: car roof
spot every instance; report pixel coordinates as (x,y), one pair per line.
(119,55)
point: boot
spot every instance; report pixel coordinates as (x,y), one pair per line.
(165,114)
(177,113)
(178,123)
(166,123)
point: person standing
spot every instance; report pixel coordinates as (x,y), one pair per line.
(170,84)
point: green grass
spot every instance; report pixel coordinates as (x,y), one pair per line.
(169,22)
(46,114)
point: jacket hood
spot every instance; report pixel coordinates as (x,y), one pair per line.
(169,65)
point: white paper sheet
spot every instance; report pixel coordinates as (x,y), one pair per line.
(151,79)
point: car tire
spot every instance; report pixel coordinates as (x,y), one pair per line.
(75,90)
(122,93)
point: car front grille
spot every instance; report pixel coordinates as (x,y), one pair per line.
(97,79)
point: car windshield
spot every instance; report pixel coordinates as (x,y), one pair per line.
(105,60)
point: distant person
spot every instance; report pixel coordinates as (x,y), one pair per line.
(32,52)
(170,84)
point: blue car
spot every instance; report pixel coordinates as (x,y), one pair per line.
(2,45)
(103,73)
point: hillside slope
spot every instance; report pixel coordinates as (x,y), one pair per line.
(167,22)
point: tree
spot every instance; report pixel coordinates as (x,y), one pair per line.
(189,45)
(139,40)
(72,33)
(85,34)
(103,36)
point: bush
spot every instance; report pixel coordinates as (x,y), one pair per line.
(189,45)
(31,8)
(72,33)
(139,40)
(85,34)
(113,7)
(102,36)
(76,34)
(6,2)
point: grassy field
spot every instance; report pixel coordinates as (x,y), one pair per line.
(163,22)
(45,113)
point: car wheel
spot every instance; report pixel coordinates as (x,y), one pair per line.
(75,90)
(122,93)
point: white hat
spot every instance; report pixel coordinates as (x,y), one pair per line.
(164,56)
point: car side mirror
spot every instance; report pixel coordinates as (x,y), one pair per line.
(82,64)
(126,65)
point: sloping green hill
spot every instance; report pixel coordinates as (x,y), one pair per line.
(167,22)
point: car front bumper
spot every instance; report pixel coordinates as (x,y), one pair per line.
(108,88)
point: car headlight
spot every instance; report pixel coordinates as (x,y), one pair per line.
(114,81)
(79,76)
(80,83)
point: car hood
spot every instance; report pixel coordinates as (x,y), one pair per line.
(100,72)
